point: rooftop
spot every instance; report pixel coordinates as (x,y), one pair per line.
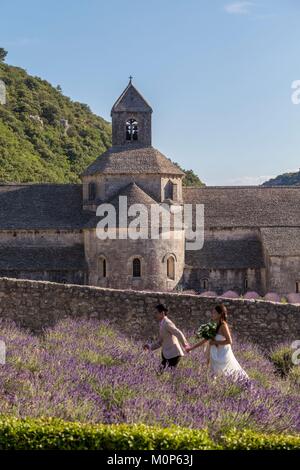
(132,160)
(227,254)
(59,206)
(41,206)
(247,206)
(131,101)
(281,241)
(31,258)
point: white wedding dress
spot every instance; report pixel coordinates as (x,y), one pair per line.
(223,361)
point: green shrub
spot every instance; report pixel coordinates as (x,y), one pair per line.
(282,359)
(250,440)
(52,433)
(294,375)
(34,434)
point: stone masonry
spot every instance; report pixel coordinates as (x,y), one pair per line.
(39,304)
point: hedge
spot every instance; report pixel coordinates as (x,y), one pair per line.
(56,434)
(51,433)
(250,440)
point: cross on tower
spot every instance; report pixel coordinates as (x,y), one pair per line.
(130,79)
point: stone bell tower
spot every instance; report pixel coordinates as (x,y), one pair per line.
(131,119)
(133,170)
(131,158)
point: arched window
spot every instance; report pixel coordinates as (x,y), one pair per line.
(171,268)
(297,287)
(136,267)
(169,190)
(131,130)
(245,283)
(92,191)
(102,267)
(204,284)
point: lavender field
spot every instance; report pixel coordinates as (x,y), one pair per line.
(87,371)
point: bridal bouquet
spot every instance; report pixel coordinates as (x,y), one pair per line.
(207,330)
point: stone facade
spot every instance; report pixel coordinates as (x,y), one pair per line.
(36,305)
(48,231)
(153,255)
(107,186)
(229,260)
(131,106)
(119,118)
(132,168)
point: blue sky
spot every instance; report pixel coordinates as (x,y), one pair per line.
(217,73)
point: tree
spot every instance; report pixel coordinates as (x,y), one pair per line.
(50,112)
(3,54)
(191,179)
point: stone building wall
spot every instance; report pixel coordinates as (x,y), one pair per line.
(212,269)
(36,305)
(119,255)
(108,186)
(221,280)
(119,127)
(63,275)
(41,237)
(43,255)
(283,273)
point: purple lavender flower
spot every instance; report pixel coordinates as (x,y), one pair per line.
(86,370)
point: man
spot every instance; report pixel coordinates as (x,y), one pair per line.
(171,339)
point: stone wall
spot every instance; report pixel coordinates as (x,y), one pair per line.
(38,304)
(119,120)
(283,273)
(62,276)
(44,237)
(48,242)
(108,186)
(120,253)
(221,280)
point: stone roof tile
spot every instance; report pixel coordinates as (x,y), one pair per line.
(227,254)
(41,206)
(247,206)
(281,241)
(38,258)
(132,159)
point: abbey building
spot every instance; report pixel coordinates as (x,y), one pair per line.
(48,231)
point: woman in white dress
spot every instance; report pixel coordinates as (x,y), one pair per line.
(220,354)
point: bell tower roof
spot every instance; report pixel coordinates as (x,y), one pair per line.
(131,101)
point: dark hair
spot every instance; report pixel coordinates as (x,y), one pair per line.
(162,308)
(221,310)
